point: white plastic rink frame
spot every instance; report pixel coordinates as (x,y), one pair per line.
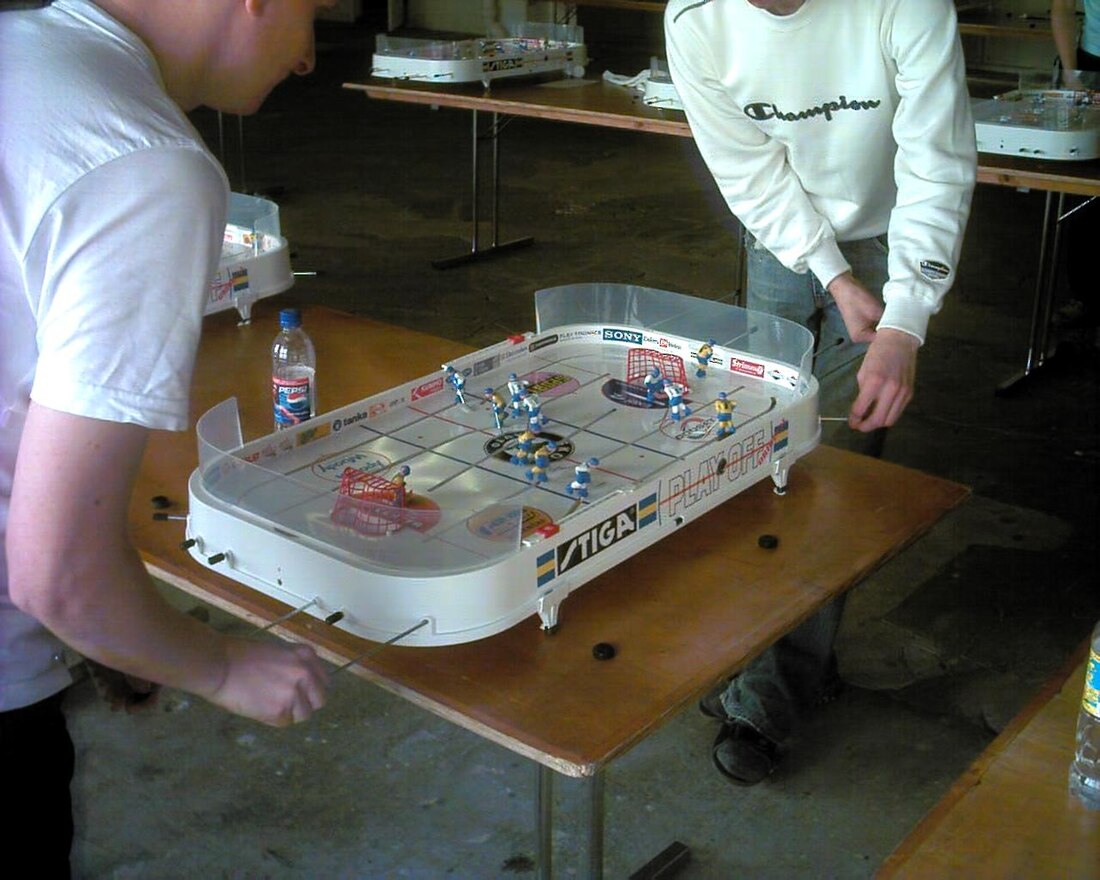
(255,259)
(481,543)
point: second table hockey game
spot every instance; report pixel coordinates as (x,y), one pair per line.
(463,502)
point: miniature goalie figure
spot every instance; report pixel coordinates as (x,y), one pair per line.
(582,478)
(496,403)
(398,481)
(537,472)
(457,381)
(702,358)
(676,406)
(723,409)
(652,382)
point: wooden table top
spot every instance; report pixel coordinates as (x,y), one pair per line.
(1010,814)
(595,102)
(679,620)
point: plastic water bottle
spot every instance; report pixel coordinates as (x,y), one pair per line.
(293,369)
(1084,772)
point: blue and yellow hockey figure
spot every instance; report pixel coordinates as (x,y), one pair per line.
(723,410)
(496,403)
(702,358)
(522,451)
(537,472)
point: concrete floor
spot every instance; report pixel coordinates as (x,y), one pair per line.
(940,647)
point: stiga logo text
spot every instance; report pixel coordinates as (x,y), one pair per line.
(502,64)
(630,337)
(597,539)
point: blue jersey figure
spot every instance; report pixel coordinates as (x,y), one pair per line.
(582,478)
(457,381)
(517,388)
(652,382)
(535,418)
(676,406)
(724,412)
(702,358)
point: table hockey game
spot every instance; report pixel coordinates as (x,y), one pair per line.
(255,257)
(412,510)
(1060,124)
(529,49)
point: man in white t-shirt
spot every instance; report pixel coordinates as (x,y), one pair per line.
(839,134)
(111,218)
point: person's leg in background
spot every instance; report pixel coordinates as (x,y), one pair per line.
(36,766)
(760,706)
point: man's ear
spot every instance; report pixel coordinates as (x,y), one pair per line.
(256,8)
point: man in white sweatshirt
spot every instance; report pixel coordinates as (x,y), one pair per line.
(839,134)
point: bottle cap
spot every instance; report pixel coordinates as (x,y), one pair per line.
(290,318)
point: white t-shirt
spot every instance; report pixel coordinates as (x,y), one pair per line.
(839,122)
(112,214)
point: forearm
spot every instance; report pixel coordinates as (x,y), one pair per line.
(935,167)
(72,566)
(1063,23)
(105,606)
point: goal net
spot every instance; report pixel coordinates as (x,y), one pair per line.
(639,361)
(368,503)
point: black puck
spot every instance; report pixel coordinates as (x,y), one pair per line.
(160,502)
(768,542)
(603,650)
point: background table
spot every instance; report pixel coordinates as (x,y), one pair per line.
(680,618)
(1010,814)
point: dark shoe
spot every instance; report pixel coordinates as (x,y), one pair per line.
(832,687)
(711,704)
(744,756)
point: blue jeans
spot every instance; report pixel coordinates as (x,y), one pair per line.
(797,671)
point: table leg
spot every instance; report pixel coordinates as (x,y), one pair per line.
(595,826)
(544,821)
(477,252)
(1044,294)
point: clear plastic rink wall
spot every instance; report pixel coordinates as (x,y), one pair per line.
(473,543)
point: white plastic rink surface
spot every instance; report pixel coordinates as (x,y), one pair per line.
(445,446)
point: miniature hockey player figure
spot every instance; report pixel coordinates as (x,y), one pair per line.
(537,471)
(518,389)
(496,403)
(398,480)
(522,450)
(535,418)
(582,478)
(652,382)
(702,358)
(457,381)
(724,411)
(676,406)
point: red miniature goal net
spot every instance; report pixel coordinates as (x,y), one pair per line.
(639,361)
(368,503)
